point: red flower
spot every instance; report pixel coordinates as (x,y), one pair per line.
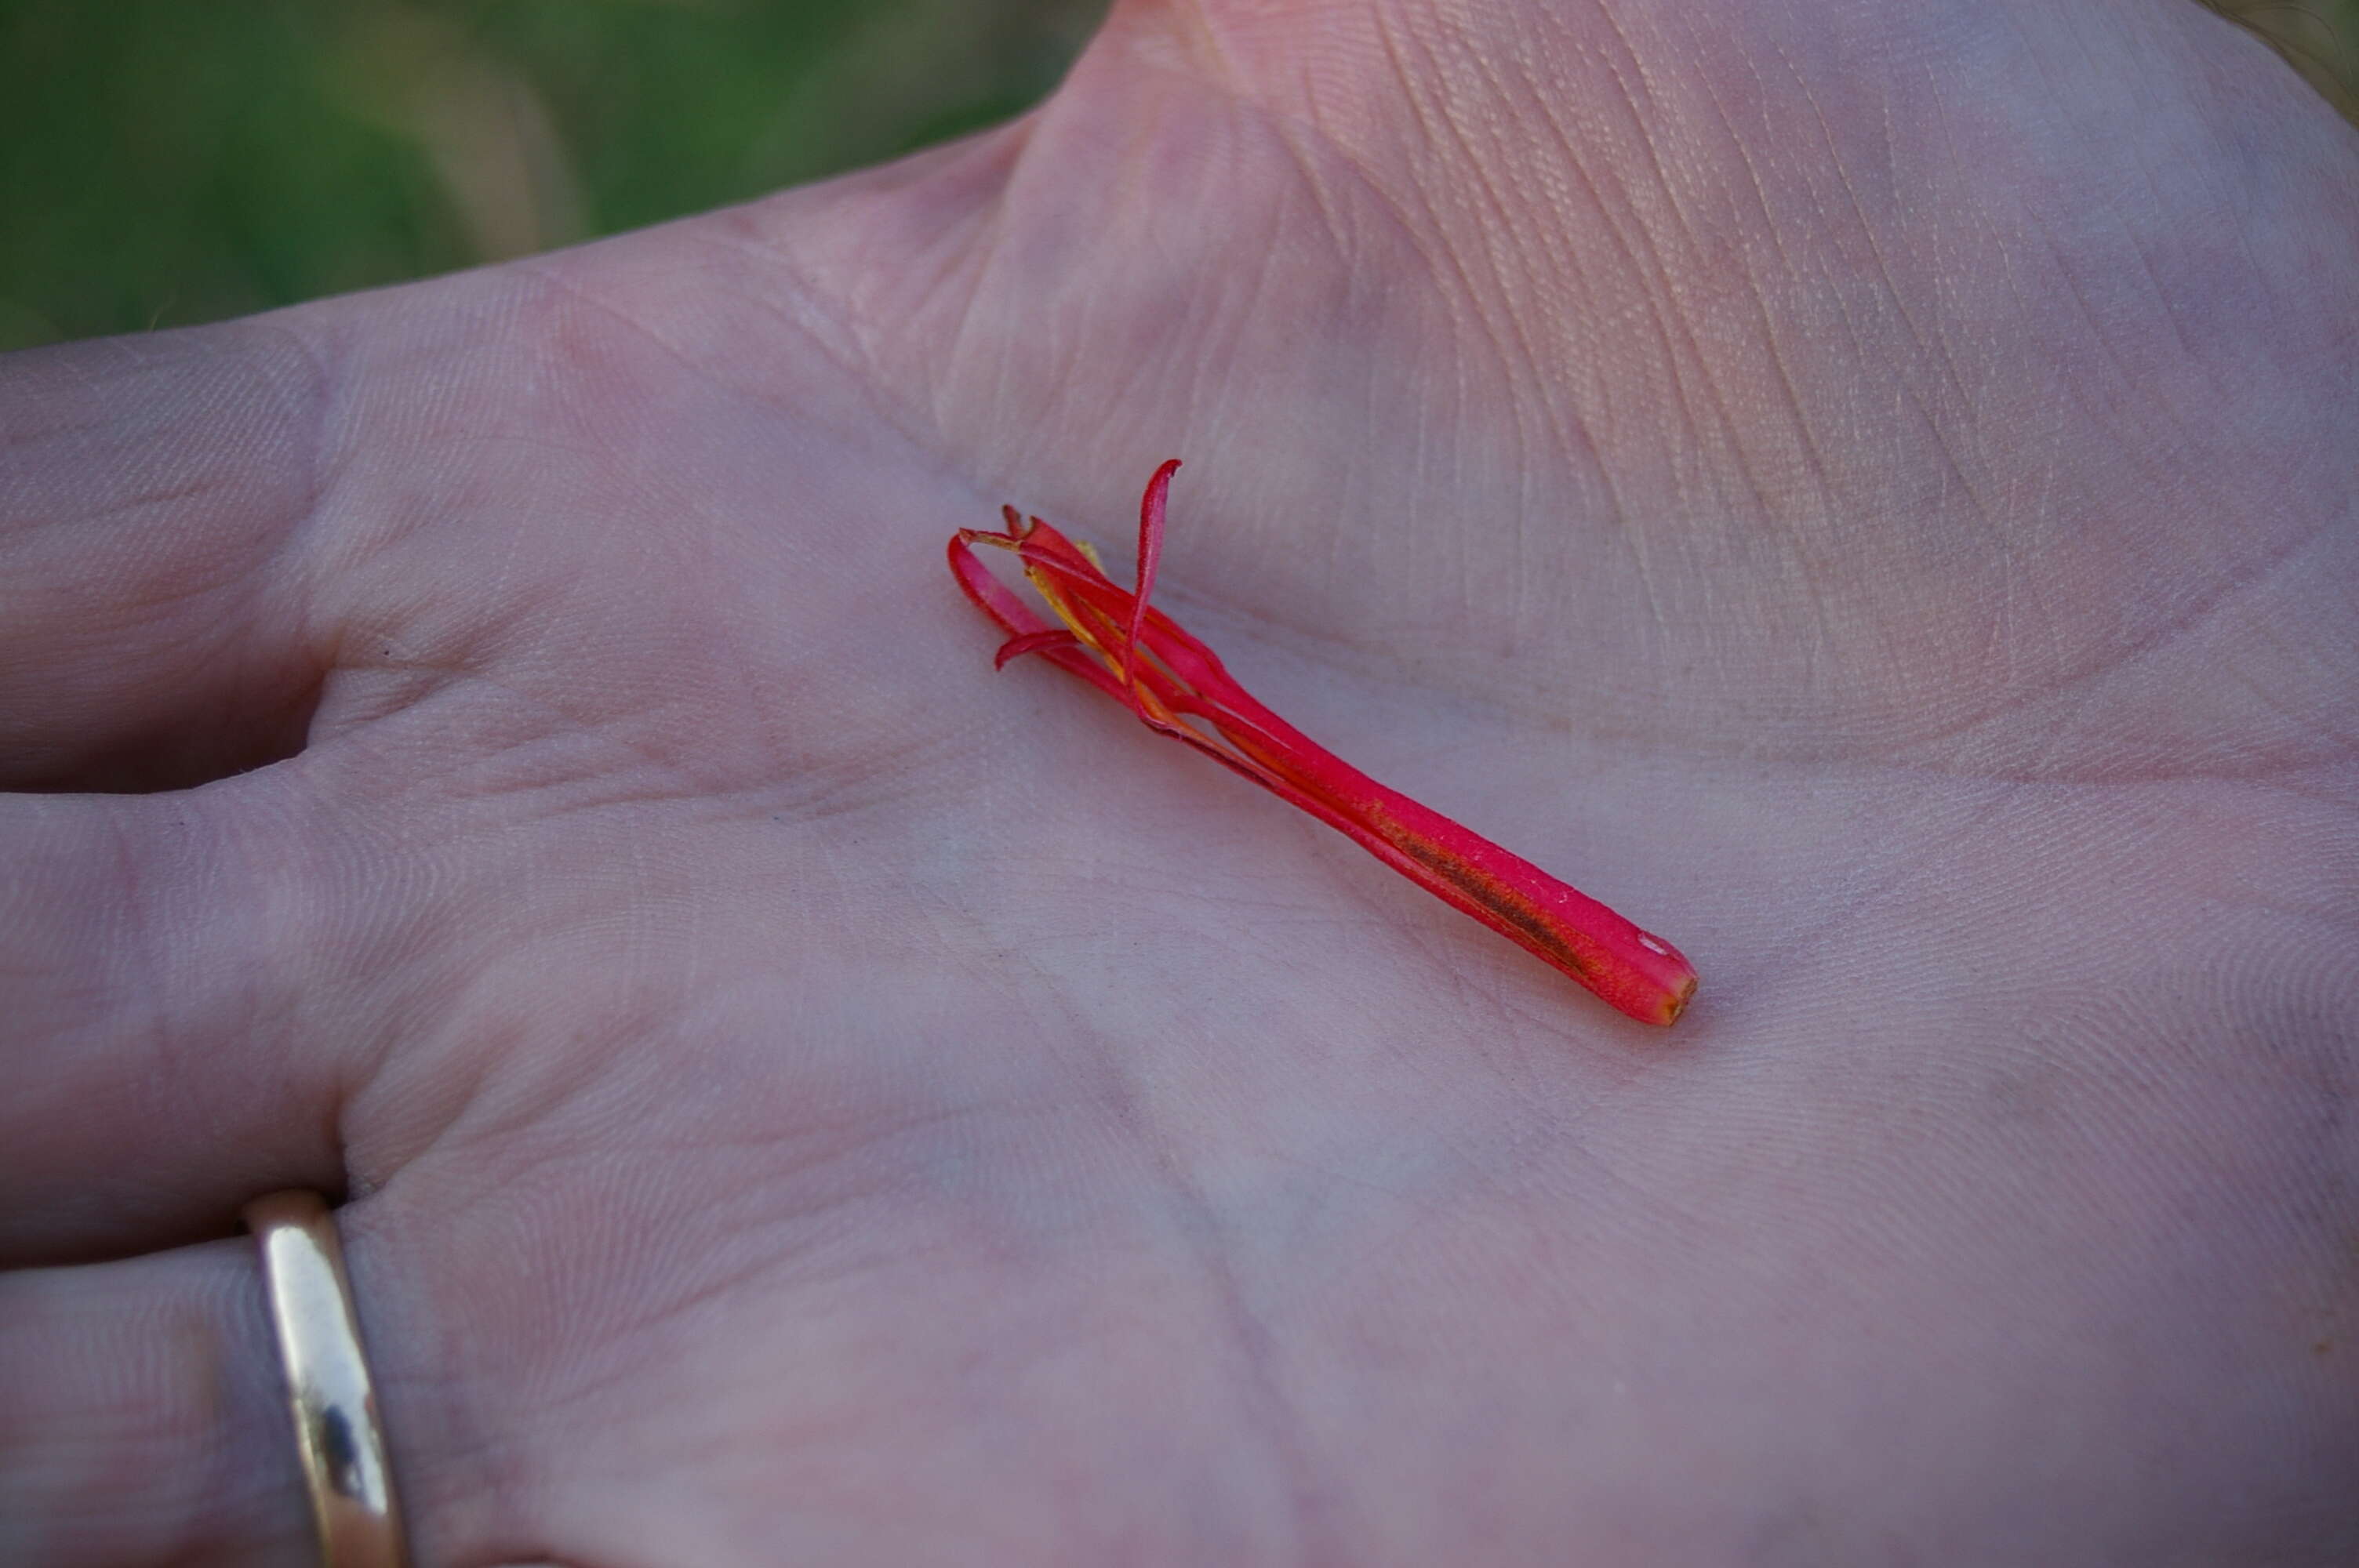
(1141,658)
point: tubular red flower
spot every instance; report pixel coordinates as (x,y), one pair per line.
(1113,639)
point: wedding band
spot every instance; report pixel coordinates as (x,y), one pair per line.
(337,1433)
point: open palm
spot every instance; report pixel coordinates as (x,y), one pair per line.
(1868,501)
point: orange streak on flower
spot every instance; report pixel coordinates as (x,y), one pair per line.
(1113,638)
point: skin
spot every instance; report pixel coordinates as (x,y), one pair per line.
(1864,490)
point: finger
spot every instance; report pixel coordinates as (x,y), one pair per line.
(152,994)
(142,1421)
(149,491)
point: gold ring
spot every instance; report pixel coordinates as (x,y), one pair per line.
(337,1432)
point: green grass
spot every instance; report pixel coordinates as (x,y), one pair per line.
(164,162)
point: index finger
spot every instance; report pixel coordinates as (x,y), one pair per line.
(150,632)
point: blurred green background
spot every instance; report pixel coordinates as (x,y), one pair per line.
(164,162)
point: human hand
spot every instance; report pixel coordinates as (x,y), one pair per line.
(1865,500)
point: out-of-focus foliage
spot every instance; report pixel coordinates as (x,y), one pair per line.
(164,162)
